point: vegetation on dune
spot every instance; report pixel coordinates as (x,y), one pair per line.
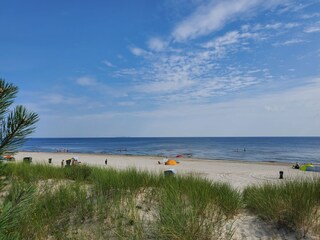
(83,202)
(294,204)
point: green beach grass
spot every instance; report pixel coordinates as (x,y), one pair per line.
(82,202)
(89,202)
(294,204)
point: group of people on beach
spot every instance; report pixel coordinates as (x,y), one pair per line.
(62,150)
(71,162)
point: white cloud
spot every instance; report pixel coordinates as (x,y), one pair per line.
(312,15)
(157,44)
(289,42)
(175,83)
(100,87)
(295,6)
(312,29)
(86,81)
(189,76)
(275,26)
(293,41)
(213,16)
(230,40)
(138,51)
(108,63)
(293,112)
(61,99)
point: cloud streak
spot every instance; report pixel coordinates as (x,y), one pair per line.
(289,113)
(213,16)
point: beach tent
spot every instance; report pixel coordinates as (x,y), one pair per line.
(171,162)
(305,167)
(310,167)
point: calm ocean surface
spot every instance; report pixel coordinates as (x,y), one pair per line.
(283,149)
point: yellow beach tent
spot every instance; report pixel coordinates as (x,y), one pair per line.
(171,162)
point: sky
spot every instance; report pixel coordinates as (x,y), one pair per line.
(168,68)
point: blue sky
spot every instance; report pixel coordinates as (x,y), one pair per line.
(165,68)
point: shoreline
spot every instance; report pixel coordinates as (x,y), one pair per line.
(237,173)
(272,162)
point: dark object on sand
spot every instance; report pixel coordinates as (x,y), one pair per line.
(27,159)
(50,160)
(62,163)
(281,175)
(106,162)
(296,166)
(68,163)
(170,172)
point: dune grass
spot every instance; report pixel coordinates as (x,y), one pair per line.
(84,202)
(294,204)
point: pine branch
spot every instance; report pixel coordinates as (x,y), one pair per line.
(15,128)
(7,94)
(14,209)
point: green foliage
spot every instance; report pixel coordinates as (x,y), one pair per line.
(128,204)
(78,172)
(7,94)
(15,125)
(34,172)
(294,204)
(56,208)
(12,213)
(130,179)
(195,208)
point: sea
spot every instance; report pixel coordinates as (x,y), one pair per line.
(268,149)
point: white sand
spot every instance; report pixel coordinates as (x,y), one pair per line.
(238,173)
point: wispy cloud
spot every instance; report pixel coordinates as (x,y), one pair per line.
(138,51)
(289,113)
(62,99)
(100,87)
(86,81)
(289,42)
(213,16)
(275,26)
(157,44)
(310,15)
(108,63)
(189,76)
(231,40)
(194,71)
(313,28)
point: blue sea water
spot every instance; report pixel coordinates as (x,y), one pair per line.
(280,149)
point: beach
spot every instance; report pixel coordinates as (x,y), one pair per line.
(238,173)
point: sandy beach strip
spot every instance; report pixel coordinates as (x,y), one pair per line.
(238,173)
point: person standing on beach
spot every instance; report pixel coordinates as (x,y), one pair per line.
(106,161)
(62,163)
